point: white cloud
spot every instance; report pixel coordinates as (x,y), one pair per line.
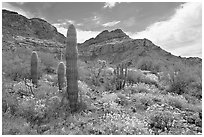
(82,35)
(70,21)
(79,24)
(20,3)
(96,19)
(109,4)
(181,34)
(110,24)
(93,21)
(129,22)
(10,7)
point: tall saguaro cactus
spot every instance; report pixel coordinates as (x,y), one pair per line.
(34,68)
(121,76)
(61,75)
(71,67)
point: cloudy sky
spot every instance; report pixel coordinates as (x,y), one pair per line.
(174,26)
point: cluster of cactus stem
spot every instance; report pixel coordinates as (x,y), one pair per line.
(71,56)
(121,76)
(34,68)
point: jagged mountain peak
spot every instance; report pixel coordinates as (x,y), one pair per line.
(106,35)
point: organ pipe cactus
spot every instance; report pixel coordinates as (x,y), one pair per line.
(121,76)
(71,56)
(61,75)
(34,68)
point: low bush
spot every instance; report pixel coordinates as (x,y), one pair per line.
(195,89)
(16,66)
(149,64)
(137,89)
(134,77)
(122,100)
(149,81)
(16,69)
(180,79)
(191,99)
(16,126)
(48,62)
(161,121)
(142,101)
(176,101)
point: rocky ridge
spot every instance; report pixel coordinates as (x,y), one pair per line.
(14,24)
(113,46)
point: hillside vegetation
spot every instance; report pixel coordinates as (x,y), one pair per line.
(146,97)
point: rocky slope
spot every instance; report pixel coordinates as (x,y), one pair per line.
(113,46)
(14,24)
(116,46)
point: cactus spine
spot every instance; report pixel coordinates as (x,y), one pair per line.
(61,74)
(121,76)
(71,68)
(34,68)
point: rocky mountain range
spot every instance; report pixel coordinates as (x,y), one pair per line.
(113,46)
(14,24)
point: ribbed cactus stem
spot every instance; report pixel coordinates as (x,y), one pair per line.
(61,75)
(71,67)
(34,68)
(121,76)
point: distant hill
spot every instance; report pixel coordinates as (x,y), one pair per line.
(113,46)
(14,24)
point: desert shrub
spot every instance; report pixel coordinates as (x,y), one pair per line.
(149,81)
(142,101)
(191,99)
(16,126)
(26,109)
(138,89)
(16,66)
(102,75)
(195,107)
(51,79)
(83,70)
(160,121)
(176,101)
(9,99)
(195,89)
(45,90)
(48,61)
(149,64)
(122,100)
(180,79)
(12,104)
(134,77)
(95,72)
